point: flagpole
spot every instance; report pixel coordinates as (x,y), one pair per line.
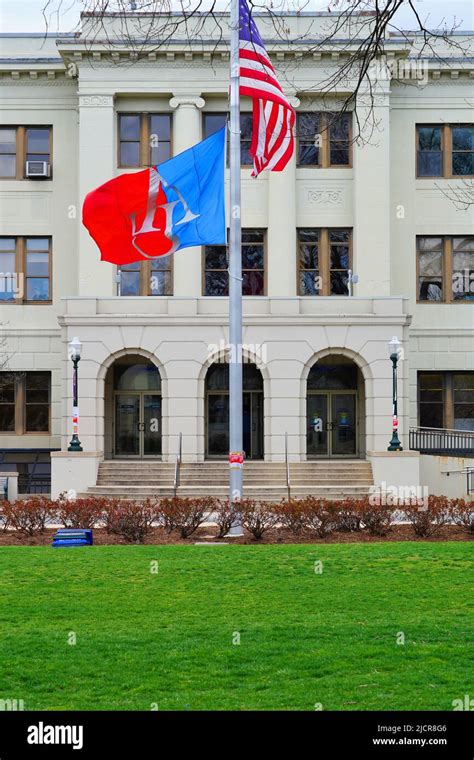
(235,277)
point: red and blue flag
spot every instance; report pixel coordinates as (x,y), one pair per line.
(160,210)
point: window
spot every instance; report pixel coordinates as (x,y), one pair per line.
(323,139)
(25,270)
(445,150)
(431,399)
(37,144)
(446,400)
(147,278)
(8,152)
(246,122)
(7,402)
(25,401)
(445,269)
(215,121)
(216,276)
(324,261)
(21,144)
(144,139)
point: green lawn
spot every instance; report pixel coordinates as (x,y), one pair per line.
(305,638)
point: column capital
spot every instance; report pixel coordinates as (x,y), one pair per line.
(187,100)
(294,101)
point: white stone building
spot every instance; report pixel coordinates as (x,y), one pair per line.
(317,347)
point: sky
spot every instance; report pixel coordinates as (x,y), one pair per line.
(27,16)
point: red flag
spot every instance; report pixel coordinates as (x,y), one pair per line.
(115,210)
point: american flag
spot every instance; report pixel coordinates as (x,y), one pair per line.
(273,117)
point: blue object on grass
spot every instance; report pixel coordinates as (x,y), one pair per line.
(73,537)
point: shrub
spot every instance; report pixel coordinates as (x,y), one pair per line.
(29,516)
(225,514)
(291,514)
(132,520)
(4,519)
(427,519)
(320,515)
(108,515)
(184,514)
(79,513)
(376,517)
(258,516)
(348,515)
(462,513)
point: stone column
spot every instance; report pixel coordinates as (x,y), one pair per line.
(281,235)
(371,158)
(97,163)
(187,132)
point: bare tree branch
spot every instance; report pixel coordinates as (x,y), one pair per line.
(462,195)
(363,37)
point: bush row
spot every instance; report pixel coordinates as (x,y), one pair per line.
(133,520)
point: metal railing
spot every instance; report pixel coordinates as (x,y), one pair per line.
(177,466)
(287,467)
(33,485)
(442,441)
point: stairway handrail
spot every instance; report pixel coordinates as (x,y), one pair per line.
(287,466)
(177,466)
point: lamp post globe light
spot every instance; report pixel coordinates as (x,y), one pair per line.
(394,348)
(75,350)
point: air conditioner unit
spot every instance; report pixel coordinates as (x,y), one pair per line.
(38,169)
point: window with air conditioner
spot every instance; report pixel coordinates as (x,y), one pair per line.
(25,152)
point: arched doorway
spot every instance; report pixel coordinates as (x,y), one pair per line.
(335,417)
(217,411)
(133,409)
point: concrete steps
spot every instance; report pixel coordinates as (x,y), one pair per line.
(141,479)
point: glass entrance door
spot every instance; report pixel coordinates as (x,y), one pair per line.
(317,425)
(137,424)
(252,424)
(151,415)
(127,425)
(331,424)
(218,424)
(343,425)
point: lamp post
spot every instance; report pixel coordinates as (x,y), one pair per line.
(394,348)
(75,348)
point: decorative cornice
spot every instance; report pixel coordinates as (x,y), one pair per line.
(267,320)
(48,79)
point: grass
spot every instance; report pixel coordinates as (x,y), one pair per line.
(166,639)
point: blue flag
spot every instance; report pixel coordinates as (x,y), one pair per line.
(195,180)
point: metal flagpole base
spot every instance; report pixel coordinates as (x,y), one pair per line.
(236,531)
(236,467)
